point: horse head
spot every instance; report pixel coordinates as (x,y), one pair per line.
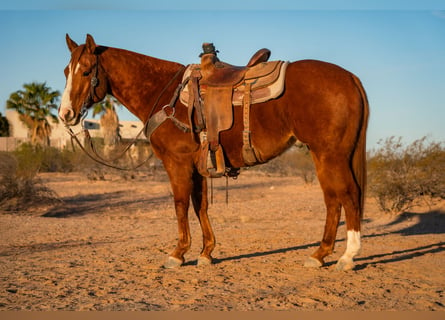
(86,81)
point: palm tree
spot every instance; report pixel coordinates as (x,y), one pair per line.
(109,122)
(34,106)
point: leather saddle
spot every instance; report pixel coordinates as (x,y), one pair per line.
(212,91)
(217,73)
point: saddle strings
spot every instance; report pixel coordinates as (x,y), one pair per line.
(227,190)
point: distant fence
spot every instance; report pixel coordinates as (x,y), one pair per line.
(10,143)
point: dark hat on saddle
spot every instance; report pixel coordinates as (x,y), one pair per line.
(208,48)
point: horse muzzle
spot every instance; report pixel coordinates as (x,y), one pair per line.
(68,116)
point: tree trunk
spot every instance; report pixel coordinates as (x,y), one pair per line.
(109,125)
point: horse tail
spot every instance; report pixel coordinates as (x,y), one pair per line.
(359,154)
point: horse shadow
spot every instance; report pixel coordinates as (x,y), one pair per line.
(428,223)
(432,222)
(81,205)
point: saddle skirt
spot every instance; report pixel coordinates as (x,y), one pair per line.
(266,79)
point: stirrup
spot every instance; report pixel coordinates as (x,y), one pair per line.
(215,163)
(211,163)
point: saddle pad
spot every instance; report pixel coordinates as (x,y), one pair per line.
(266,87)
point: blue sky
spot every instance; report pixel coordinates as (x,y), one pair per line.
(397,48)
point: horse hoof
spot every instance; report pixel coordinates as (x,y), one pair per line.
(344,265)
(204,261)
(312,263)
(172,263)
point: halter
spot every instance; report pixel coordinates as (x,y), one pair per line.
(94,82)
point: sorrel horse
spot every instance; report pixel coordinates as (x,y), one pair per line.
(323,106)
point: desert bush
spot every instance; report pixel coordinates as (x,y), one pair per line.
(57,160)
(38,158)
(296,161)
(20,188)
(398,174)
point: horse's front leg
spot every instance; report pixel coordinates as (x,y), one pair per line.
(181,182)
(200,204)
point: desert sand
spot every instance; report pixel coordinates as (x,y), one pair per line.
(103,247)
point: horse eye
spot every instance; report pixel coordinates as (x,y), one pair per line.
(86,73)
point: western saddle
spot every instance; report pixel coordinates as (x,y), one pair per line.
(214,88)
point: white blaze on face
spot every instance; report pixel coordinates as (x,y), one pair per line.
(66,106)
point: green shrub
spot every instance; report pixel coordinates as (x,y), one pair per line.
(55,160)
(28,160)
(37,158)
(398,174)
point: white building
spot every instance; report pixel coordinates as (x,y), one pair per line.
(59,136)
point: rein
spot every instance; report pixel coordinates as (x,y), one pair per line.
(96,157)
(152,123)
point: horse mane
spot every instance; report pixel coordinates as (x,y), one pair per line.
(100,49)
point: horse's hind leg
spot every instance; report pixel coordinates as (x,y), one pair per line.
(351,204)
(333,212)
(339,189)
(200,204)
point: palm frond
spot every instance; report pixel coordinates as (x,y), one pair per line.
(34,105)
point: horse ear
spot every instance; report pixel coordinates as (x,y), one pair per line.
(71,44)
(90,44)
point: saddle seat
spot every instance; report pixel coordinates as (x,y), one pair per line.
(217,73)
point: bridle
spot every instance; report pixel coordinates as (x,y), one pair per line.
(151,124)
(94,83)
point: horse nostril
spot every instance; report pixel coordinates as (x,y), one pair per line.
(66,114)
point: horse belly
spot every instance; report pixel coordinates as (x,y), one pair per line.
(271,134)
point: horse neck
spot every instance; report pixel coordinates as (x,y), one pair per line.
(137,80)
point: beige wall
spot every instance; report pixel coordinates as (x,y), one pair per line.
(59,136)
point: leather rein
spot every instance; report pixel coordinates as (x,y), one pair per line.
(152,123)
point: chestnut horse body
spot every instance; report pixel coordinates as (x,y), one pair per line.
(323,106)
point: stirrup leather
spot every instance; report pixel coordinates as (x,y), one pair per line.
(211,159)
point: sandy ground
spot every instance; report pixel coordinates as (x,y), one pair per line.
(103,248)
